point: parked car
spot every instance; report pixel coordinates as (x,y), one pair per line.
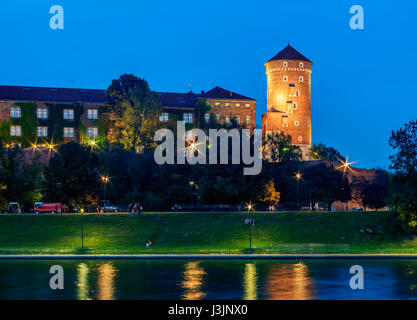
(105,206)
(48,207)
(14,207)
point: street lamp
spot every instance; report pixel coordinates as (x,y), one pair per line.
(251,222)
(105,180)
(345,165)
(298,177)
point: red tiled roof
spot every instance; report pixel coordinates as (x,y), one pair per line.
(167,99)
(19,93)
(289,53)
(220,93)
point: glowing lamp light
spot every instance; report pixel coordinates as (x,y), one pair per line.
(298,175)
(105,179)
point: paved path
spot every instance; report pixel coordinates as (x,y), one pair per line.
(205,256)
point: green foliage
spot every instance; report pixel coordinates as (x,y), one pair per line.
(403,192)
(322,152)
(371,192)
(269,195)
(278,147)
(72,176)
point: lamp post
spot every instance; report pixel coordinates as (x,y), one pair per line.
(105,180)
(251,223)
(298,177)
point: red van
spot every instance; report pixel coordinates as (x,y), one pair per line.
(48,207)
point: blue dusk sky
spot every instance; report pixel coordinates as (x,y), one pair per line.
(363,81)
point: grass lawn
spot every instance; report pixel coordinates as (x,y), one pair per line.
(284,232)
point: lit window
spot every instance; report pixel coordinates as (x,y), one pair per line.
(285,64)
(227,119)
(247,119)
(207,117)
(237,105)
(301,65)
(42,113)
(300,138)
(15,112)
(188,117)
(15,131)
(228,105)
(301,79)
(296,123)
(164,117)
(217,104)
(42,131)
(92,114)
(92,132)
(218,118)
(285,78)
(68,132)
(238,119)
(247,105)
(68,114)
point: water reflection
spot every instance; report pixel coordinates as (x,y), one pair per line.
(250,282)
(106,276)
(82,282)
(193,281)
(289,282)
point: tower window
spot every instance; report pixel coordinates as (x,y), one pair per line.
(297,93)
(296,123)
(301,65)
(300,138)
(285,64)
(301,79)
(295,106)
(285,78)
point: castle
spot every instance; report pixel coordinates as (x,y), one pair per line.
(41,116)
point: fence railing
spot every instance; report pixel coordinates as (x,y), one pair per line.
(325,249)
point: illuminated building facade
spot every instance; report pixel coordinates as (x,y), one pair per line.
(288,76)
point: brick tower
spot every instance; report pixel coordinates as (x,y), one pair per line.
(288,77)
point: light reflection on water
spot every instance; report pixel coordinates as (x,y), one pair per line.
(209,279)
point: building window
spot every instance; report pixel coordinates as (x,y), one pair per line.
(237,105)
(92,114)
(188,117)
(164,117)
(68,114)
(300,138)
(68,132)
(285,64)
(247,119)
(92,132)
(301,65)
(218,118)
(15,131)
(247,105)
(228,105)
(285,78)
(42,113)
(15,112)
(208,104)
(297,93)
(217,104)
(42,131)
(227,119)
(295,106)
(301,79)
(238,119)
(207,117)
(296,123)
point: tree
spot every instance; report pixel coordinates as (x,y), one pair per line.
(323,183)
(322,152)
(269,195)
(278,147)
(72,176)
(133,112)
(403,190)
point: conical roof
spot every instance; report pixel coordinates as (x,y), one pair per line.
(289,53)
